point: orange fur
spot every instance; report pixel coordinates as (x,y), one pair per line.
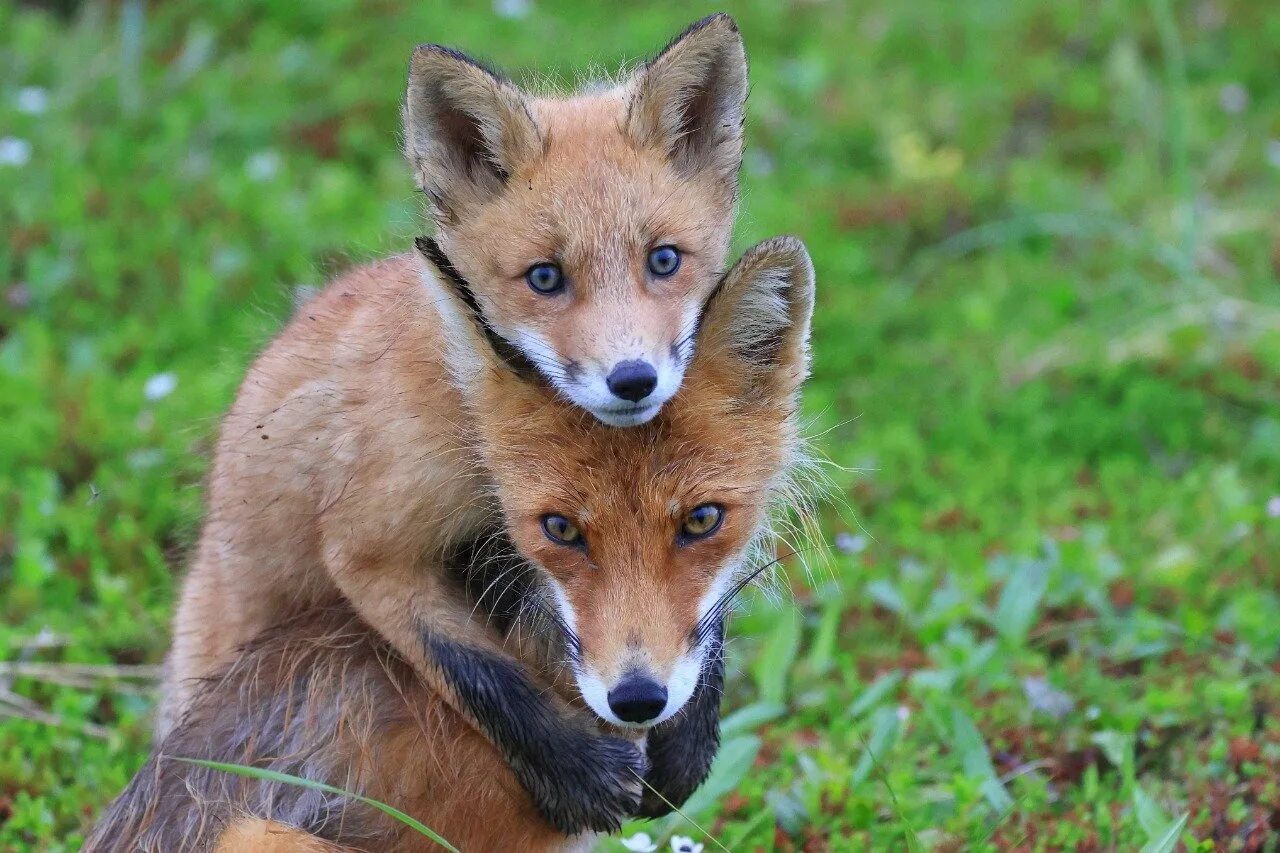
(267,836)
(346,468)
(333,696)
(381,430)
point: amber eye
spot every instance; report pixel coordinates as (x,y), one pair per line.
(701,521)
(561,530)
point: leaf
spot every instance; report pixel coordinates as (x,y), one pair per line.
(751,717)
(789,811)
(727,771)
(825,639)
(1167,840)
(1118,748)
(1151,817)
(977,761)
(887,596)
(287,779)
(1019,601)
(884,734)
(773,667)
(876,693)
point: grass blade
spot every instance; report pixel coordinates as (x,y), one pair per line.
(287,779)
(676,809)
(1168,840)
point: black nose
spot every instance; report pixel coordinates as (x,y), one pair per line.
(637,699)
(632,380)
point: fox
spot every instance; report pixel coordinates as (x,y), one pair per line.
(604,589)
(583,236)
(591,228)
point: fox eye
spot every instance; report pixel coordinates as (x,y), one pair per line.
(545,278)
(701,521)
(664,260)
(561,530)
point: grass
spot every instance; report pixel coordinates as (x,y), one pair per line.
(1047,370)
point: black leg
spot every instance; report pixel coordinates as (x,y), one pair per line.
(681,749)
(580,780)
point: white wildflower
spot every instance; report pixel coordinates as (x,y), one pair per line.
(33,100)
(512,8)
(1273,507)
(160,386)
(263,166)
(1273,153)
(682,844)
(14,151)
(1233,98)
(19,296)
(1043,696)
(847,543)
(640,843)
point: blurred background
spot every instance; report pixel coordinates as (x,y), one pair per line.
(1047,378)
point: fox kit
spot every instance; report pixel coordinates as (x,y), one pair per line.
(618,556)
(583,237)
(591,228)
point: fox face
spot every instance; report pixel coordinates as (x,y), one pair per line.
(642,536)
(590,229)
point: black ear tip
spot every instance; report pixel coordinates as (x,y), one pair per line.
(719,21)
(425,55)
(726,20)
(716,19)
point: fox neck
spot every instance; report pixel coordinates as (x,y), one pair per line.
(508,353)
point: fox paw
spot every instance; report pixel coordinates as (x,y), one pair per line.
(680,751)
(593,785)
(680,760)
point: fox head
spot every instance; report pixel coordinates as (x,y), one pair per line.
(641,537)
(590,228)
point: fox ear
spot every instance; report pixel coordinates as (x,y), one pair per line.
(465,129)
(758,318)
(689,101)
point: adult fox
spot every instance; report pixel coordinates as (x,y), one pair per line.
(631,545)
(585,234)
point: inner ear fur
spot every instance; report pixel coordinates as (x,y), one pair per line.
(689,101)
(759,316)
(465,129)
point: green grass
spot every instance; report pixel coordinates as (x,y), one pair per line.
(1047,368)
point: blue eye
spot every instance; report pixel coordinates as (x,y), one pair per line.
(545,278)
(664,260)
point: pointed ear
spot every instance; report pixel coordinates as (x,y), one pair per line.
(689,101)
(465,129)
(474,346)
(757,321)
